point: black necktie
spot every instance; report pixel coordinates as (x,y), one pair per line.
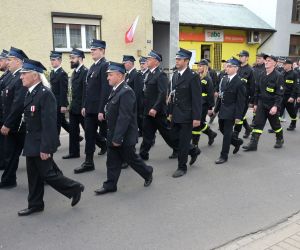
(27,94)
(178,77)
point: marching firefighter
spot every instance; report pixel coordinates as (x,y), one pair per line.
(290,93)
(267,102)
(247,76)
(207,104)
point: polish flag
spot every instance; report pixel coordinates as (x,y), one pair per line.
(130,33)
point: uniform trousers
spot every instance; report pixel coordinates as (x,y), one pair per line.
(92,137)
(243,122)
(62,122)
(74,142)
(150,126)
(226,127)
(13,146)
(40,171)
(115,157)
(203,126)
(1,150)
(262,115)
(289,106)
(183,132)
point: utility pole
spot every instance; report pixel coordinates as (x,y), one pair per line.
(174,32)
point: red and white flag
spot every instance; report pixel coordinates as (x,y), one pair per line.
(130,33)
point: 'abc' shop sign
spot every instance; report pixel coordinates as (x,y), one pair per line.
(214,35)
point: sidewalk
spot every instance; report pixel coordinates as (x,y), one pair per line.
(285,235)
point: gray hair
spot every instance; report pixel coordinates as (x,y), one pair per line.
(44,80)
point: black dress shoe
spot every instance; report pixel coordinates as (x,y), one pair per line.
(144,157)
(179,173)
(7,185)
(102,190)
(148,181)
(29,211)
(221,160)
(102,151)
(236,149)
(85,167)
(70,156)
(194,155)
(76,197)
(174,155)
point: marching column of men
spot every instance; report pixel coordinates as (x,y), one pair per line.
(124,104)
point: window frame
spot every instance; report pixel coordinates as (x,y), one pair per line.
(83,28)
(294,12)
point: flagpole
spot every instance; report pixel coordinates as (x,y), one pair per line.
(174,33)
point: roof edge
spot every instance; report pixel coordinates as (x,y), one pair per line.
(216,26)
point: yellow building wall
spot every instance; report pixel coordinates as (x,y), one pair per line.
(27,25)
(228,49)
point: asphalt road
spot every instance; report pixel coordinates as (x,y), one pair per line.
(210,205)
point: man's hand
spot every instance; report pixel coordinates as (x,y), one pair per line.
(196,123)
(273,110)
(116,144)
(63,109)
(44,156)
(237,121)
(5,130)
(291,100)
(210,112)
(83,112)
(216,94)
(298,99)
(254,108)
(152,112)
(101,117)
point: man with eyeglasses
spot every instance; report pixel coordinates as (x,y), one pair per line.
(230,107)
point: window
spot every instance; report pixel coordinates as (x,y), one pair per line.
(296,11)
(74,31)
(294,45)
